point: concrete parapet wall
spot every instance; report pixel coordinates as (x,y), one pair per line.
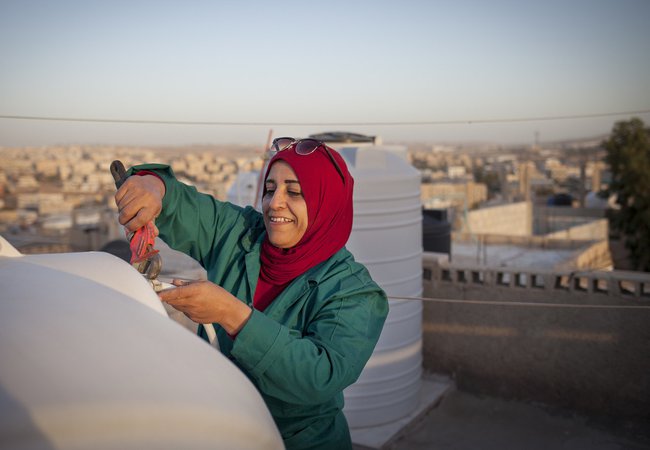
(513,219)
(596,256)
(591,231)
(570,339)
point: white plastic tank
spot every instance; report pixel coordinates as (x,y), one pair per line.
(90,360)
(243,190)
(387,238)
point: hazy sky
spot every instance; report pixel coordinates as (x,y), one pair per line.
(330,62)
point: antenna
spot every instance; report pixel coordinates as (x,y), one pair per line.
(265,157)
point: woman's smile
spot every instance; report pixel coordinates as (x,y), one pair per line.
(279,220)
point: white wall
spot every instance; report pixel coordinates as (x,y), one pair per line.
(513,220)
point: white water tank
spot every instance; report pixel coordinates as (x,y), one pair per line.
(90,360)
(387,238)
(243,190)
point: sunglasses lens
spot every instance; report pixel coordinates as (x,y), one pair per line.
(307,146)
(282,143)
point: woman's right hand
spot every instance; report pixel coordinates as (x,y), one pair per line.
(139,200)
(207,302)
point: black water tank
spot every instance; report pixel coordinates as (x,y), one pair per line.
(436,231)
(119,248)
(561,199)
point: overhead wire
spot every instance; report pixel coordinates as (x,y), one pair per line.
(342,123)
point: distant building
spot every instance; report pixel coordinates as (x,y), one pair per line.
(467,194)
(514,235)
(456,172)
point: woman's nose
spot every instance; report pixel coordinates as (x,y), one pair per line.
(278,200)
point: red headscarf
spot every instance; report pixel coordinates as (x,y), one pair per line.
(329,212)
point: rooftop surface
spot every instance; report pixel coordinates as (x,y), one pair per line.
(508,255)
(464,421)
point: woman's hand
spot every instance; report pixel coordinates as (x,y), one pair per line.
(206,302)
(139,200)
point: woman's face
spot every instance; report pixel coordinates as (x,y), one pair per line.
(284,207)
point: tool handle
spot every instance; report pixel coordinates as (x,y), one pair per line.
(118,172)
(119,175)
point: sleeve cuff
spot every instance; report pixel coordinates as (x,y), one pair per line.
(165,173)
(142,173)
(259,343)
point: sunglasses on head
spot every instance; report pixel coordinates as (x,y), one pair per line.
(305,147)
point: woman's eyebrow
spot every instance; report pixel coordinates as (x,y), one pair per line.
(272,181)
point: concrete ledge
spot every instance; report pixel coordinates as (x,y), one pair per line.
(450,280)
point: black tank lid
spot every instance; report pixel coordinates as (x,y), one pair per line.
(342,137)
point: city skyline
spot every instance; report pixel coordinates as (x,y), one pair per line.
(414,71)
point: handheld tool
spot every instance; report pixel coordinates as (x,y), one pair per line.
(144,257)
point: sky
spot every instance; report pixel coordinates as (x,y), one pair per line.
(406,70)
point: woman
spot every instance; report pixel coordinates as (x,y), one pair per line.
(290,305)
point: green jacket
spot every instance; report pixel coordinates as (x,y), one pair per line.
(310,343)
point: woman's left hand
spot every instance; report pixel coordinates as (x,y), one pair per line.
(206,302)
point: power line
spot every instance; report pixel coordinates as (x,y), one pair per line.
(311,124)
